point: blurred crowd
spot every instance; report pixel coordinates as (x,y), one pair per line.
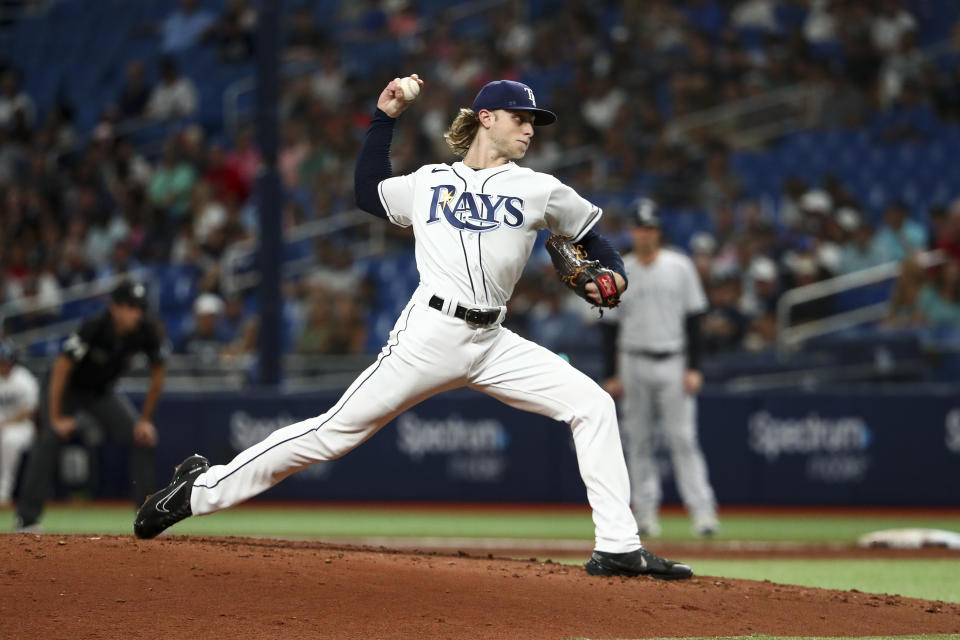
(77,205)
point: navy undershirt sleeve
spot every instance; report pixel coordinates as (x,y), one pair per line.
(599,248)
(694,340)
(608,335)
(373,164)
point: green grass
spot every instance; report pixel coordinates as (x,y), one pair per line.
(321,520)
(927,637)
(325,521)
(915,578)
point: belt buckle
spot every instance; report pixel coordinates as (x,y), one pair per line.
(474,318)
(477,318)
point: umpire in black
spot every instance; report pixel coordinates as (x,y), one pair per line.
(79,395)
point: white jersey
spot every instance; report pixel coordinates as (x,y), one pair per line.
(660,295)
(18,391)
(475,229)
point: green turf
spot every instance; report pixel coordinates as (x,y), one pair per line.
(916,578)
(927,637)
(561,524)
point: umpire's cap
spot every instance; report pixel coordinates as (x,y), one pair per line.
(8,352)
(513,96)
(130,293)
(645,214)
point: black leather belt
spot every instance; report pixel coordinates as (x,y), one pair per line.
(655,355)
(476,317)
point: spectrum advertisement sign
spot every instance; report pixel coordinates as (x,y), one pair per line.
(776,449)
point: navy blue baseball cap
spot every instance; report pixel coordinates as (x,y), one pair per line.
(645,214)
(513,96)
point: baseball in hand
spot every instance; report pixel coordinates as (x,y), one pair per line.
(410,88)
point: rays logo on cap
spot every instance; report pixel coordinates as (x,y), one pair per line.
(533,101)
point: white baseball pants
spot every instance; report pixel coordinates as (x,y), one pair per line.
(14,440)
(653,396)
(426,353)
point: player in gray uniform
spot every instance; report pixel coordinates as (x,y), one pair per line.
(657,356)
(18,404)
(475,223)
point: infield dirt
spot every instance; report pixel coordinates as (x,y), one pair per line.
(79,587)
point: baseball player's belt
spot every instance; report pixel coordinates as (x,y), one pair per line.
(476,317)
(654,355)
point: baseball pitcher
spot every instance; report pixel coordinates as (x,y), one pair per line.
(475,222)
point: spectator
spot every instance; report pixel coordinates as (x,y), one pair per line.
(820,26)
(185,27)
(900,237)
(754,14)
(305,40)
(720,184)
(703,246)
(174,97)
(135,92)
(224,178)
(14,102)
(816,206)
(906,63)
(804,270)
(207,212)
(125,168)
(349,334)
(234,318)
(760,288)
(939,301)
(949,238)
(860,251)
(172,182)
(244,158)
(936,224)
(904,310)
(890,24)
(204,342)
(761,306)
(234,31)
(317,332)
(723,325)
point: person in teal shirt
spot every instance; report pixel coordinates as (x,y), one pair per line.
(940,301)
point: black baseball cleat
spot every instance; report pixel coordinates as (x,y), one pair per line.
(636,563)
(171,504)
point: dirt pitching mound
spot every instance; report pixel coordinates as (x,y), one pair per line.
(78,587)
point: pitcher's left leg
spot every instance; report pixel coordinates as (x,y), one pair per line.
(527,376)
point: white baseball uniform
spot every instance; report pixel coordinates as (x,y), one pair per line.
(651,364)
(18,391)
(474,232)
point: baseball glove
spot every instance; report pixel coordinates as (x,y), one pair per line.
(576,270)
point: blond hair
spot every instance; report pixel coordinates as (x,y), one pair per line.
(462,131)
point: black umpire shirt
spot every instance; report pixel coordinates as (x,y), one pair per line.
(101,356)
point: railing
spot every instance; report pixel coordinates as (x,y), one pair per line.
(28,305)
(236,255)
(753,121)
(790,338)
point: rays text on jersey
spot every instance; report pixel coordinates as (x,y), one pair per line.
(479,212)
